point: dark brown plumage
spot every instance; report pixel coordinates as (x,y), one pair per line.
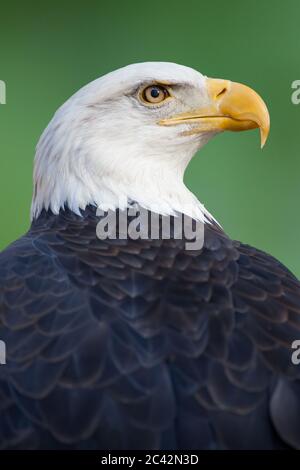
(142,344)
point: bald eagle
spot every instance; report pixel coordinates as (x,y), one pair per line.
(139,343)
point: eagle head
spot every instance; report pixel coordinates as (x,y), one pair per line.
(129,136)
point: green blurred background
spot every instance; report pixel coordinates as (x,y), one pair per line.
(48,50)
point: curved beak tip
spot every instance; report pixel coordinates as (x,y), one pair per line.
(231,106)
(264,133)
(263,137)
(239,102)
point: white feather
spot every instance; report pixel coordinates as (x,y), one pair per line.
(103,147)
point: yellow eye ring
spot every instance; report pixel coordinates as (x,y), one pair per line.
(154,94)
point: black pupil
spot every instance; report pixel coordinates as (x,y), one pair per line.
(155,92)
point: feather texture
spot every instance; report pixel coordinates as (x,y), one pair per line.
(141,344)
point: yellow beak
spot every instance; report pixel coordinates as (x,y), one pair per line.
(232,106)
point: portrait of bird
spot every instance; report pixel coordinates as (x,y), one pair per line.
(140,343)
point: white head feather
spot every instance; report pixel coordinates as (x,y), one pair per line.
(105,147)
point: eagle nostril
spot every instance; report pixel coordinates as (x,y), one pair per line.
(221,93)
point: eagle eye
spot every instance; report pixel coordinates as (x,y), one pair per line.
(154,94)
